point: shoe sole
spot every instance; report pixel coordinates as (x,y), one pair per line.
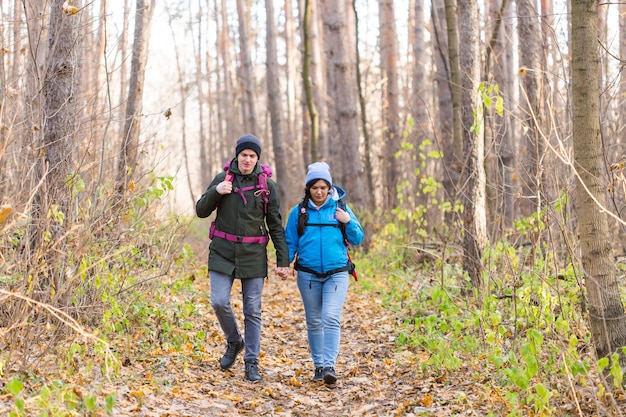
(234,360)
(330,379)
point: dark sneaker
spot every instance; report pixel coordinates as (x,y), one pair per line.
(232,350)
(329,375)
(252,372)
(319,374)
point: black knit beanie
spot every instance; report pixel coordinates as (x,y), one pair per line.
(248,142)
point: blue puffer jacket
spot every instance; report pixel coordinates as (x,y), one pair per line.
(321,248)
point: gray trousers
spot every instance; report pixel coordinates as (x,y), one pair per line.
(252,289)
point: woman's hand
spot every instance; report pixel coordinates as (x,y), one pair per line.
(282,272)
(342,216)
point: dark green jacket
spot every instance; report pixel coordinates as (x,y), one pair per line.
(243,260)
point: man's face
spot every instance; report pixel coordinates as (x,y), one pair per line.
(247,160)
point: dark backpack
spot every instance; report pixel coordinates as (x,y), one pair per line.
(302,209)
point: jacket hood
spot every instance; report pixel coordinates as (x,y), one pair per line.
(339,193)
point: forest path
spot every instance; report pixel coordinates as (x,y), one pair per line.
(376,378)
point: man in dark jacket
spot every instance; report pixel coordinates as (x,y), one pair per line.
(239,247)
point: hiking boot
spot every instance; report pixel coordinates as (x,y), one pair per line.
(252,372)
(329,375)
(319,374)
(232,350)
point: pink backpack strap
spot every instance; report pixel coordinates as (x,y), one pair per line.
(263,190)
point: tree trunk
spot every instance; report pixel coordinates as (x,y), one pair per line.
(472,193)
(367,139)
(346,164)
(622,54)
(498,128)
(3,107)
(532,151)
(420,100)
(308,84)
(391,108)
(314,137)
(128,161)
(606,311)
(443,132)
(275,108)
(183,91)
(199,77)
(249,109)
(55,168)
(291,50)
(227,119)
(455,84)
(123,45)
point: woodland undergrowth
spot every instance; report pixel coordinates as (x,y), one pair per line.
(124,288)
(523,335)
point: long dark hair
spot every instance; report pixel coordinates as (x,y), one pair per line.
(303,213)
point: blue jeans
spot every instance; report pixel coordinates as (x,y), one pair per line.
(323,300)
(252,289)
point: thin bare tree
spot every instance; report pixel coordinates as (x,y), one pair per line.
(276,112)
(307,81)
(341,90)
(250,124)
(391,107)
(367,138)
(291,66)
(199,78)
(498,132)
(472,191)
(128,156)
(454,67)
(530,117)
(443,120)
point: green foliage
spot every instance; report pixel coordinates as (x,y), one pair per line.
(55,399)
(417,206)
(527,329)
(120,276)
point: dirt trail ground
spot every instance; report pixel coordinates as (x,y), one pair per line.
(372,378)
(375,378)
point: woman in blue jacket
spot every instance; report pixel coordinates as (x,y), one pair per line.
(315,236)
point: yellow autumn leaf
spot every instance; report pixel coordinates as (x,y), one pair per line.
(138,394)
(426,400)
(4,212)
(131,185)
(295,382)
(69,8)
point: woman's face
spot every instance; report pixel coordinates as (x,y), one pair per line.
(319,192)
(246,160)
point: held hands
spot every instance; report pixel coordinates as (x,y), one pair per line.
(282,272)
(224,187)
(342,216)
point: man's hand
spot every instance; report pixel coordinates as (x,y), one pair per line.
(224,187)
(282,272)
